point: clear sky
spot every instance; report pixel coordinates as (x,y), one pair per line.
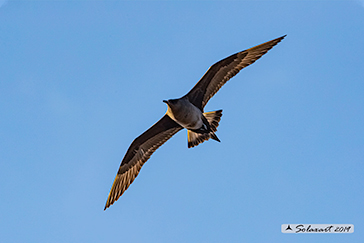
(79,80)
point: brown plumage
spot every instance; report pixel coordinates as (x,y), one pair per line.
(200,125)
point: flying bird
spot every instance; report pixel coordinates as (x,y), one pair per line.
(185,112)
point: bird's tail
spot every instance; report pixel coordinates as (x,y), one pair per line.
(213,117)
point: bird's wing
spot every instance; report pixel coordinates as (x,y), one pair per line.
(219,73)
(138,153)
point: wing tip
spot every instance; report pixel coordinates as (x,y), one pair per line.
(264,47)
(108,203)
(277,40)
(107,206)
(281,38)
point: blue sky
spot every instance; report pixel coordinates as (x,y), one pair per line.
(80,80)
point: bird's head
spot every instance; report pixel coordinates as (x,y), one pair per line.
(174,105)
(171,102)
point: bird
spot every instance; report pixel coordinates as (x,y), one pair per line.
(187,113)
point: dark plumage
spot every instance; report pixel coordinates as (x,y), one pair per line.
(186,112)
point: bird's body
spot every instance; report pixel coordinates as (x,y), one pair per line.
(200,126)
(186,112)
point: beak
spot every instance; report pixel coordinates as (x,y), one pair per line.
(165,101)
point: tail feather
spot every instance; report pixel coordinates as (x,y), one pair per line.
(213,118)
(214,137)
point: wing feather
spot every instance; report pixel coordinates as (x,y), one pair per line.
(138,153)
(219,73)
